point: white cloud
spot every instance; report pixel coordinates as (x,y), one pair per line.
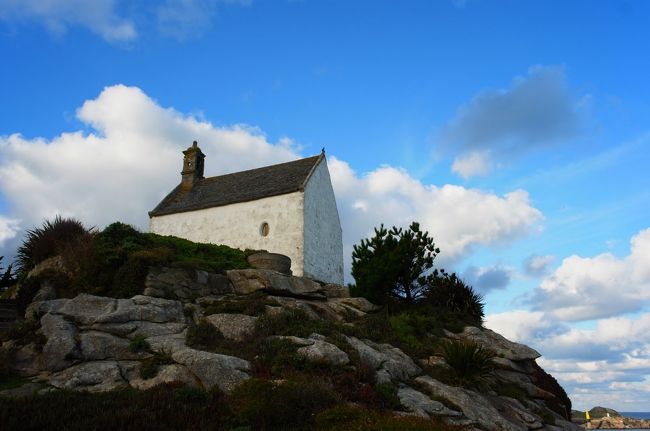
(584,288)
(122,169)
(519,325)
(536,111)
(458,218)
(8,228)
(607,365)
(472,164)
(99,16)
(536,265)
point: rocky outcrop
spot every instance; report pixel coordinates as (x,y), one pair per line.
(92,343)
(316,349)
(390,363)
(618,423)
(233,326)
(247,281)
(184,284)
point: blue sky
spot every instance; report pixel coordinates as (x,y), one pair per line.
(516,132)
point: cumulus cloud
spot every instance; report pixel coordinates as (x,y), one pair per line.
(8,228)
(537,110)
(536,266)
(484,280)
(131,159)
(472,164)
(125,166)
(584,288)
(458,218)
(99,16)
(606,365)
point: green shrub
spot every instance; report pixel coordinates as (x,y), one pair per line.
(148,368)
(388,396)
(449,292)
(468,359)
(163,408)
(7,276)
(47,241)
(391,266)
(261,404)
(138,344)
(203,336)
(351,418)
(291,321)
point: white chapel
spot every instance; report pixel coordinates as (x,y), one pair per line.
(287,208)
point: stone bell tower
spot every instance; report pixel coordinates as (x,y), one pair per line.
(192,166)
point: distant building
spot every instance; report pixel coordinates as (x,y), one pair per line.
(287,208)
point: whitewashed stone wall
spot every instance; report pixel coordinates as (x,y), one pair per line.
(238,225)
(323,237)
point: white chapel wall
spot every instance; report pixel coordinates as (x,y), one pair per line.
(238,225)
(323,235)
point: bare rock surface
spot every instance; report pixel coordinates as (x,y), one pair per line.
(214,369)
(96,345)
(172,373)
(96,376)
(247,281)
(389,361)
(61,346)
(233,326)
(316,349)
(502,346)
(474,406)
(184,284)
(422,405)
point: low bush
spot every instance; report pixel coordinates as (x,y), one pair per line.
(203,336)
(138,344)
(163,408)
(148,368)
(449,292)
(47,241)
(262,404)
(349,418)
(469,360)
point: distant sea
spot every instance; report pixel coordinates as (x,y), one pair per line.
(636,415)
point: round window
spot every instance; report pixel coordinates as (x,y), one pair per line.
(264,229)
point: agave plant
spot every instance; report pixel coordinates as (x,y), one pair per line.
(468,359)
(48,240)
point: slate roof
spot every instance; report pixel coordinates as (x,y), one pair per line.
(239,187)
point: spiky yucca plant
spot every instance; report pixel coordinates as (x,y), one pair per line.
(468,359)
(48,240)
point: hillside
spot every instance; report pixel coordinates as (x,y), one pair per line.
(124,330)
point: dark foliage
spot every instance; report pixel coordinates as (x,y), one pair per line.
(350,418)
(47,241)
(392,265)
(115,261)
(7,277)
(30,286)
(251,305)
(451,293)
(203,336)
(163,408)
(262,404)
(469,360)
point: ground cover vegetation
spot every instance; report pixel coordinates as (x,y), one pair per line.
(287,391)
(113,262)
